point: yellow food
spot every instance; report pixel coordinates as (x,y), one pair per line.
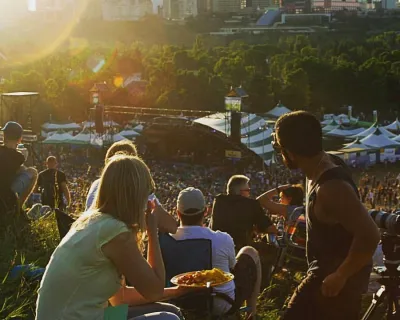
(200,278)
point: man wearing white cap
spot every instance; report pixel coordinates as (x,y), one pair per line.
(191,209)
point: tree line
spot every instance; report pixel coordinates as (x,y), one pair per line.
(318,73)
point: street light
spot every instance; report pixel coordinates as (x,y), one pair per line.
(263,128)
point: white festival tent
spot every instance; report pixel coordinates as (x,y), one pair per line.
(340,119)
(109,139)
(129,133)
(86,138)
(106,124)
(342,132)
(66,126)
(356,144)
(277,111)
(331,126)
(394,126)
(256,136)
(139,128)
(379,140)
(59,137)
(397,138)
(373,129)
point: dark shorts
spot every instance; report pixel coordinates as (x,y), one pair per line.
(245,272)
(308,302)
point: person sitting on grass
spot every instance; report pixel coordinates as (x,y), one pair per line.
(246,267)
(104,246)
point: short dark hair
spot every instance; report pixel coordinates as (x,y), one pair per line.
(123,146)
(296,193)
(192,219)
(299,132)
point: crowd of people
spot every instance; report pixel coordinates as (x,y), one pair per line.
(383,194)
(116,202)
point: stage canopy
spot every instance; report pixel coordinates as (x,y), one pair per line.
(256,136)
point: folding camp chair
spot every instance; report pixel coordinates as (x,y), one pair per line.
(182,256)
(64,222)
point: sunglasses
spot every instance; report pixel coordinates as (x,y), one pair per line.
(278,149)
(275,145)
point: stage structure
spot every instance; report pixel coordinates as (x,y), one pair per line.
(18,106)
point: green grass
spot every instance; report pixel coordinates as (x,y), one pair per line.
(24,242)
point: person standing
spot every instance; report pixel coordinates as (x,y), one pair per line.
(52,184)
(341,236)
(14,176)
(238,215)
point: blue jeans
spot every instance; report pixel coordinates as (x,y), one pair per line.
(155,311)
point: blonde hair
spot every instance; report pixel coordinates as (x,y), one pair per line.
(125,146)
(124,187)
(235,183)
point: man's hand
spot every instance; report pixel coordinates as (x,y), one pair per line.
(333,284)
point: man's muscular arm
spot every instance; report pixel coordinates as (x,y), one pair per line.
(341,204)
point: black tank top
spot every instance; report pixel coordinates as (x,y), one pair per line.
(327,244)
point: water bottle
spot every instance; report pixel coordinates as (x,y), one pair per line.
(21,148)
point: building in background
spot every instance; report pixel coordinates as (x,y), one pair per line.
(335,5)
(12,13)
(126,10)
(259,5)
(388,4)
(296,6)
(226,6)
(51,11)
(181,9)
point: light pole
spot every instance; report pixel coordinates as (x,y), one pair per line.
(263,128)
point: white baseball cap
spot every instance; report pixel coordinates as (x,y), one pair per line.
(191,199)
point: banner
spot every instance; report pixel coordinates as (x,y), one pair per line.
(233,104)
(232,154)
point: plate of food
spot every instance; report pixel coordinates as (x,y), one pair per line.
(199,279)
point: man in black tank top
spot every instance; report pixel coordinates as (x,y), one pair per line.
(341,236)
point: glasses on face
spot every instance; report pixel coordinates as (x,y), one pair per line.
(275,145)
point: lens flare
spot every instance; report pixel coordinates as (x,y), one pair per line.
(118,81)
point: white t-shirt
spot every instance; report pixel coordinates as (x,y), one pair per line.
(223,257)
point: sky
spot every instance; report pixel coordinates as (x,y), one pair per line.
(32,5)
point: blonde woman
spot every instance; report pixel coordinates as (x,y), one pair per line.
(86,269)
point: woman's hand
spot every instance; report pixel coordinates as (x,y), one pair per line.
(151,220)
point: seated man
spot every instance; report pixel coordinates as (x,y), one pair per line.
(191,209)
(14,175)
(239,215)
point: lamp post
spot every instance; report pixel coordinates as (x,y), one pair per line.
(263,128)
